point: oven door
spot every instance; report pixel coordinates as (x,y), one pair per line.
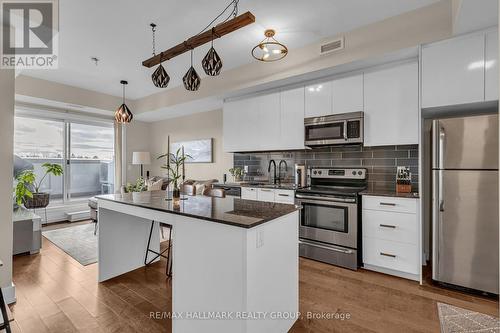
(328,220)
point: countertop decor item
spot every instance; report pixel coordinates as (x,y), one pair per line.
(141,158)
(269,49)
(123,114)
(175,169)
(27,190)
(237,174)
(403,179)
(160,77)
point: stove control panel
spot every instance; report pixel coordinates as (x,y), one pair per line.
(334,173)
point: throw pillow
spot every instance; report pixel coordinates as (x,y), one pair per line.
(154,185)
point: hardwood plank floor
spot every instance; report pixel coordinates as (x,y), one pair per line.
(56,294)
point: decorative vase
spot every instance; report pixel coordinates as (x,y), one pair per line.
(39,200)
(176,196)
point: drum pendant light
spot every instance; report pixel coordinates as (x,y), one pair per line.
(123,114)
(160,77)
(212,63)
(191,79)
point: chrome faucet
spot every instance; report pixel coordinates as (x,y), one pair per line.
(269,169)
(279,169)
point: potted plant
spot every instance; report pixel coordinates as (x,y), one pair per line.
(27,190)
(137,188)
(175,169)
(237,174)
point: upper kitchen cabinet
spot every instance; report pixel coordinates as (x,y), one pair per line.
(491,66)
(391,106)
(453,71)
(266,122)
(292,119)
(348,94)
(318,99)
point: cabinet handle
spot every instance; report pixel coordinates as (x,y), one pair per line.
(264,190)
(388,226)
(283,195)
(387,255)
(387,204)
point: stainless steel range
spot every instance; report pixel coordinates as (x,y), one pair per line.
(330,215)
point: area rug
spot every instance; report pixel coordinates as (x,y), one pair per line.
(78,241)
(454,320)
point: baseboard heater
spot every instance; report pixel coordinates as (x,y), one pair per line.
(78,216)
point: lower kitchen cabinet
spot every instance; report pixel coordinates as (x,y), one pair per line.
(268,194)
(391,237)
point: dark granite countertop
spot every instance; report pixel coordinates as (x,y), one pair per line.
(228,210)
(284,186)
(388,193)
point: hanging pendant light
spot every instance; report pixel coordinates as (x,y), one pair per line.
(123,114)
(160,77)
(269,49)
(191,79)
(212,63)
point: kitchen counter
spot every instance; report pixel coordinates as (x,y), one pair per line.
(228,210)
(224,254)
(388,193)
(284,186)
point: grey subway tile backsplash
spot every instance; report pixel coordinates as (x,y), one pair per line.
(380,162)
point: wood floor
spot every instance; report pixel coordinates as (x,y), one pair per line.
(56,294)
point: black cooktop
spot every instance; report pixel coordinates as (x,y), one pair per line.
(350,191)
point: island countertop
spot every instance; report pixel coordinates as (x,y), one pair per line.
(229,210)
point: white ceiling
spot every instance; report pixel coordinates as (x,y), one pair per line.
(118,33)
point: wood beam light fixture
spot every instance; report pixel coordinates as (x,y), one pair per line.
(218,31)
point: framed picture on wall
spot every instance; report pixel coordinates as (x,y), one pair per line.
(199,150)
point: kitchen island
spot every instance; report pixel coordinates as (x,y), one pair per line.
(235,261)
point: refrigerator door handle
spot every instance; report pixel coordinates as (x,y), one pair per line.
(442,142)
(438,146)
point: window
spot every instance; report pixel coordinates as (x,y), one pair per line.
(85,150)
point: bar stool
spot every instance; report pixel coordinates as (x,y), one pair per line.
(168,270)
(3,307)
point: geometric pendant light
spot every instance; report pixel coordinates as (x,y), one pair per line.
(160,77)
(212,63)
(191,79)
(123,114)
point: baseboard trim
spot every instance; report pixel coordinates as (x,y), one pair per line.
(9,293)
(388,271)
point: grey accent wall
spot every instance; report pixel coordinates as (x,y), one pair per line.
(381,162)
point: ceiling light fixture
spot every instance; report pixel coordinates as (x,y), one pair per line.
(160,77)
(123,114)
(191,79)
(269,49)
(212,63)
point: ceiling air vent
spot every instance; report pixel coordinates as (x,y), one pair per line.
(331,46)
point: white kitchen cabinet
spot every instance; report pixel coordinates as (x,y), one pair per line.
(453,71)
(266,133)
(284,196)
(249,193)
(391,106)
(347,94)
(236,113)
(491,66)
(265,194)
(292,119)
(391,238)
(318,99)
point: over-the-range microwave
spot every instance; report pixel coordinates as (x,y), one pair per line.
(345,128)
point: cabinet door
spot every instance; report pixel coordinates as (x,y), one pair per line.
(265,125)
(391,106)
(230,120)
(265,194)
(318,99)
(249,193)
(491,65)
(292,119)
(284,196)
(348,94)
(453,71)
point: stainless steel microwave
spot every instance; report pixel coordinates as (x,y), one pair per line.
(336,129)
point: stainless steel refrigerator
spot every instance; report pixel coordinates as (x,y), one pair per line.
(465,202)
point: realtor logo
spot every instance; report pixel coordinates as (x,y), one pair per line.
(29,34)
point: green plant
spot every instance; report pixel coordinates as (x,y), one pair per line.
(139,186)
(174,167)
(27,184)
(237,172)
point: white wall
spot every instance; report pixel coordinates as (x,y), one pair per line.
(198,126)
(138,138)
(7,91)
